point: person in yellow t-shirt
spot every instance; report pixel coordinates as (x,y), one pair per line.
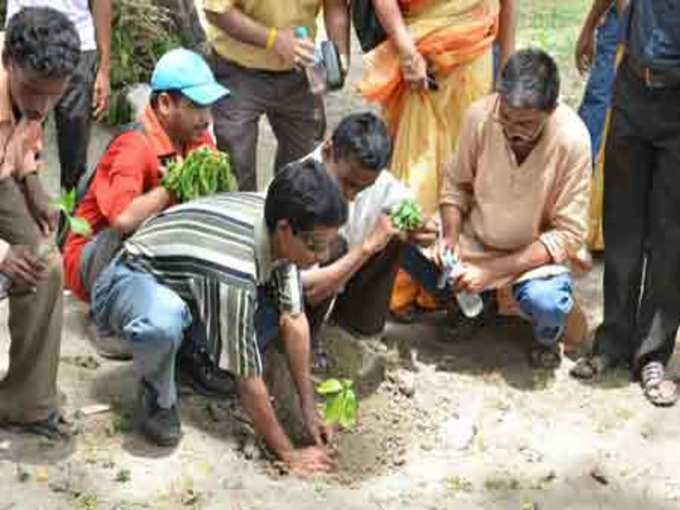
(257,55)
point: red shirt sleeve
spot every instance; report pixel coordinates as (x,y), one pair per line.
(132,170)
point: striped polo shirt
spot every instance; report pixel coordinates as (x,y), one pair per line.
(215,253)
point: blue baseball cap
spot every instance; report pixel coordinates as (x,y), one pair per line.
(187,72)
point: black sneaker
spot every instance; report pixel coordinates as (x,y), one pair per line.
(160,426)
(198,371)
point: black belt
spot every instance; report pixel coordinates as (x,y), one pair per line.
(653,78)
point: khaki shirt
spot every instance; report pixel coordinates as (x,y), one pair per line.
(507,206)
(271,13)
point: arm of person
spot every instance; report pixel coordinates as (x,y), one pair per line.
(336,19)
(295,336)
(322,282)
(102,12)
(585,44)
(234,22)
(507,29)
(255,399)
(141,209)
(121,194)
(414,66)
(452,223)
(622,6)
(478,276)
(456,194)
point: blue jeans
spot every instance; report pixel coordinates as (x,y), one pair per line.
(544,302)
(598,92)
(153,318)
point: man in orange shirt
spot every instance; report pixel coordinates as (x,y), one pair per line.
(40,53)
(126,188)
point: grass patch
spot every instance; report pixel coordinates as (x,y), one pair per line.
(458,484)
(502,482)
(554,25)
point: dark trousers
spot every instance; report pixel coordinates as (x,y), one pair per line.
(295,114)
(641,223)
(73,118)
(363,306)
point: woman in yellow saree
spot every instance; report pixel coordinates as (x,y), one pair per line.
(444,41)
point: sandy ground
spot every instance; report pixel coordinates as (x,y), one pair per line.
(462,424)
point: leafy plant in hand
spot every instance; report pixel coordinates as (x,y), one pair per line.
(407,215)
(203,172)
(340,406)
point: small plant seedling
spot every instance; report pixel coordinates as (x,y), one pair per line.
(204,172)
(66,203)
(407,215)
(341,405)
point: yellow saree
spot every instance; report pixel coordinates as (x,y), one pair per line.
(455,38)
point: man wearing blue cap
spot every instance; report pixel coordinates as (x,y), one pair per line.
(126,187)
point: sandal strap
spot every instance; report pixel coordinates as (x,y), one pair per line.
(652,373)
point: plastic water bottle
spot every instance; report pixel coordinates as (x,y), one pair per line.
(470,304)
(5,284)
(316,72)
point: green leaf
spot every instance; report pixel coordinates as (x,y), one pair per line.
(66,202)
(348,416)
(80,226)
(407,215)
(329,387)
(70,200)
(333,409)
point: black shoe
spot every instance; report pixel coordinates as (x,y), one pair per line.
(197,370)
(160,426)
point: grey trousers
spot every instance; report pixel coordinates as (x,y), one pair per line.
(29,390)
(296,116)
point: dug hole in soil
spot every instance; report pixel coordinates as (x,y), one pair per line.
(391,425)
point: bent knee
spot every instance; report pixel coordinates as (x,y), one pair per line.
(544,301)
(164,323)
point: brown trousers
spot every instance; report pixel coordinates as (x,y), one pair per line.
(295,114)
(29,390)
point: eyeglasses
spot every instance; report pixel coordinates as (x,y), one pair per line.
(519,128)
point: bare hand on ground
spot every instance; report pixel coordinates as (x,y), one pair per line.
(23,267)
(321,433)
(308,461)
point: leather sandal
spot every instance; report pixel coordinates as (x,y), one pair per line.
(659,390)
(591,366)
